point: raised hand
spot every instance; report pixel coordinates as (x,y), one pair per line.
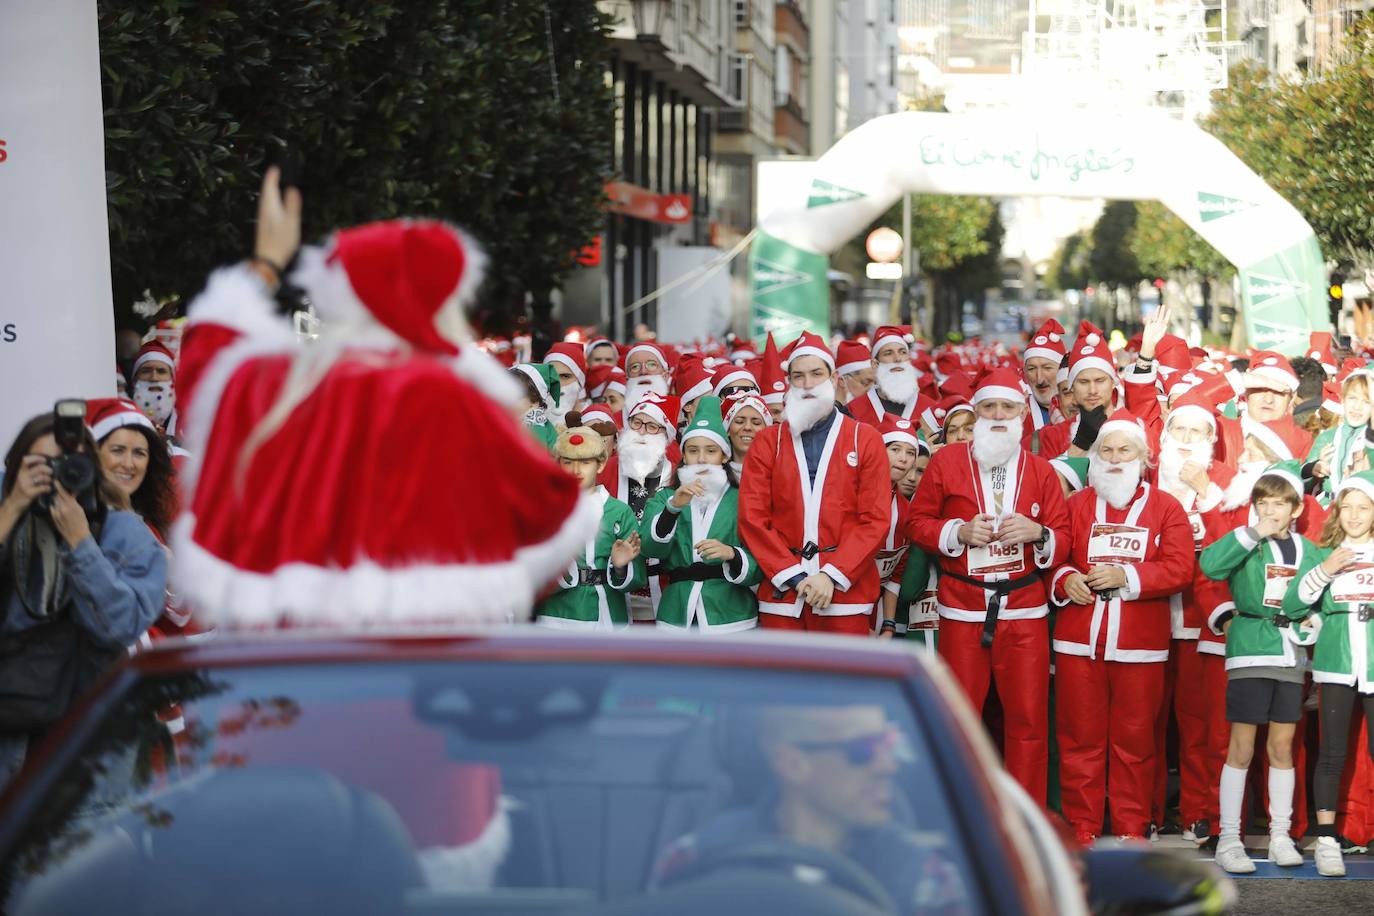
(279,221)
(1339,561)
(1156,326)
(623,552)
(683,495)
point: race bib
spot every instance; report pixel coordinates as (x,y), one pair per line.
(1118,544)
(997,558)
(1276,581)
(1354,585)
(1199,529)
(924,615)
(887,562)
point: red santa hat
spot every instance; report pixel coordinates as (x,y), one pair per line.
(743,350)
(105,415)
(1331,398)
(936,417)
(1003,383)
(603,379)
(1270,371)
(852,356)
(1046,343)
(657,409)
(570,355)
(692,379)
(948,365)
(600,342)
(773,377)
(891,334)
(598,416)
(408,275)
(1171,354)
(1319,348)
(897,429)
(154,351)
(728,377)
(1350,366)
(737,402)
(650,347)
(808,344)
(1195,403)
(1090,351)
(1123,421)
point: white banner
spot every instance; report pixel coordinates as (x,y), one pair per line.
(56,318)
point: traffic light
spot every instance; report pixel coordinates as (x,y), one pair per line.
(1337,294)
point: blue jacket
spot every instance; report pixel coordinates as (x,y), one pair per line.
(117,588)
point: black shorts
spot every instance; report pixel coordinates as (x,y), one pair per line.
(1261,700)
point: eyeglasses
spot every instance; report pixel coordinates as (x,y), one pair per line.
(640,425)
(647,367)
(859,751)
(737,389)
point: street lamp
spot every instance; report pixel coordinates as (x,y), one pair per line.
(649,16)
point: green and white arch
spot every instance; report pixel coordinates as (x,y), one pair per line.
(815,207)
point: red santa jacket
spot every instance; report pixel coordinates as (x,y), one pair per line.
(1284,437)
(891,559)
(846,514)
(1191,608)
(1150,538)
(952,491)
(869,408)
(1056,438)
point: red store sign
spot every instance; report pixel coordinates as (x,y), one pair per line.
(641,203)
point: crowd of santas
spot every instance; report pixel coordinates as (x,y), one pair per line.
(1138,523)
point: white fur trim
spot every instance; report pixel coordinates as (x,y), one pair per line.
(1135,430)
(1356,483)
(1090,362)
(1270,438)
(472,866)
(1268,377)
(886,339)
(475,263)
(1054,356)
(700,389)
(153,356)
(694,433)
(729,378)
(485,373)
(533,375)
(998,391)
(905,436)
(856,366)
(1238,490)
(568,361)
(1195,410)
(236,298)
(368,596)
(824,355)
(120,420)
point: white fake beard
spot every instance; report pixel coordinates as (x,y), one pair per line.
(567,399)
(636,388)
(1171,462)
(896,382)
(712,479)
(156,399)
(1116,483)
(640,455)
(991,448)
(1238,490)
(805,407)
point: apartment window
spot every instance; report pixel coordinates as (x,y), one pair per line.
(737,77)
(891,65)
(741,14)
(782,76)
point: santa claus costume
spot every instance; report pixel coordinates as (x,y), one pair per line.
(1283,437)
(1046,343)
(892,555)
(1090,351)
(873,406)
(816,501)
(1110,652)
(992,603)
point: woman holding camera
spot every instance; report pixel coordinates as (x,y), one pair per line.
(80,581)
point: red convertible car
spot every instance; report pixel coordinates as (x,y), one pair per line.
(518,771)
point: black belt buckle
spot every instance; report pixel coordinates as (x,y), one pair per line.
(591,577)
(1281,621)
(810,550)
(1366,613)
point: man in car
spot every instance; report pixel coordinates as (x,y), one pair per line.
(830,789)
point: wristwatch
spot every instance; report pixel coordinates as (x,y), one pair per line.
(1044,536)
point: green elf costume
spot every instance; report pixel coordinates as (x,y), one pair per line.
(917,617)
(1346,636)
(590,595)
(545,380)
(1263,577)
(1348,442)
(711,595)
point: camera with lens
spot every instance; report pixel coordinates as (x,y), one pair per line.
(73,469)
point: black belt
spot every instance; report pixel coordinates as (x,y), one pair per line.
(1364,613)
(1277,619)
(697,572)
(586,576)
(1000,589)
(811,549)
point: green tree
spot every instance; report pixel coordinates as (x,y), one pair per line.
(1111,261)
(494,115)
(1068,268)
(1313,142)
(1163,245)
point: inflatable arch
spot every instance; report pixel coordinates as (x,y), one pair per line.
(815,207)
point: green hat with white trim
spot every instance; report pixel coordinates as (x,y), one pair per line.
(1363,481)
(1073,470)
(1290,472)
(707,423)
(545,378)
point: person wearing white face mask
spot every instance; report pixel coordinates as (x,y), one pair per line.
(693,529)
(815,504)
(895,381)
(155,385)
(1132,550)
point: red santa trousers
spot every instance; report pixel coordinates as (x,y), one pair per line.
(1019,661)
(1105,713)
(1218,742)
(1198,711)
(846,625)
(1356,816)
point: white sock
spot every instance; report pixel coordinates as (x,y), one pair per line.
(1232,798)
(1280,800)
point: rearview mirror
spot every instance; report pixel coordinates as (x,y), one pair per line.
(1138,880)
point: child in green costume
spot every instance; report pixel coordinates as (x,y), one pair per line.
(1344,449)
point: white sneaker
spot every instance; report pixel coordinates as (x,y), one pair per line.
(1232,858)
(1327,854)
(1283,851)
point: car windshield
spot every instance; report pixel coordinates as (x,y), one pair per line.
(461,787)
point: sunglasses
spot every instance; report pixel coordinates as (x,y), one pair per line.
(859,751)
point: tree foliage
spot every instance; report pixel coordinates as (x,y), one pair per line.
(454,109)
(1313,142)
(1163,245)
(1112,261)
(1068,268)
